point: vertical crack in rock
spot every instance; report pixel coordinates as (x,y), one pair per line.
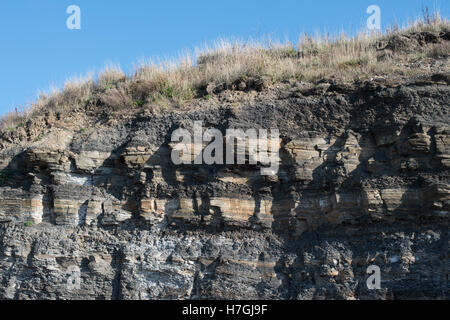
(117,264)
(82,212)
(196,286)
(31,254)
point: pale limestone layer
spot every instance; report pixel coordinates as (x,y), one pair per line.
(81,177)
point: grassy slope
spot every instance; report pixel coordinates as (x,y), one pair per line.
(174,85)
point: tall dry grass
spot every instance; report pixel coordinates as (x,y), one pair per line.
(172,82)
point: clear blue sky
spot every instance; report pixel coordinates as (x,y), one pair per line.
(37,49)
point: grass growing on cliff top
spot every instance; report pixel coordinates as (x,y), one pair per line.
(172,83)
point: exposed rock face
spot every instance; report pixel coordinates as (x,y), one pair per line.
(363,180)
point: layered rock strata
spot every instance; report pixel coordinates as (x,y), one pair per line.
(363,180)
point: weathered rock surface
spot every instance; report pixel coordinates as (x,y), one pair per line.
(363,180)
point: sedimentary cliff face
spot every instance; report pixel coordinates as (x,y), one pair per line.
(103,213)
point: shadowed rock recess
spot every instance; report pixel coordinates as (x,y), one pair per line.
(363,180)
